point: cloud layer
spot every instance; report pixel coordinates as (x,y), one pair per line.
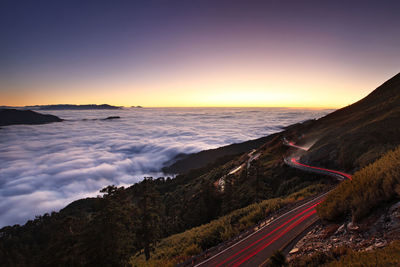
(45,167)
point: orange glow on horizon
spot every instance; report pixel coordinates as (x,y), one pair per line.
(233,87)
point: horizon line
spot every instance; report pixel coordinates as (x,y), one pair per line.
(140,106)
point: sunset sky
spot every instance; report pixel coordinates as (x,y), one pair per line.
(196,53)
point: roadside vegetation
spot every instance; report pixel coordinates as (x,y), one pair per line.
(343,256)
(371,187)
(388,256)
(177,248)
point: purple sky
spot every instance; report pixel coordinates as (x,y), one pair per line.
(218,52)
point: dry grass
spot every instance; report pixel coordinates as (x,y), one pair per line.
(370,188)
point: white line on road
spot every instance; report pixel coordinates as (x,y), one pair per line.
(240,241)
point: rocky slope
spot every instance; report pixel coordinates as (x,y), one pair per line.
(379,230)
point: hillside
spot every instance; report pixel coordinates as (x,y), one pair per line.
(347,139)
(361,220)
(185,162)
(13,116)
(110,230)
(372,187)
(354,136)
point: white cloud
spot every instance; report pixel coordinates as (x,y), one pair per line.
(45,167)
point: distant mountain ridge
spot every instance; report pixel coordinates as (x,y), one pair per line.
(71,107)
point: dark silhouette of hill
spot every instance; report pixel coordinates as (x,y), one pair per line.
(13,116)
(72,107)
(357,135)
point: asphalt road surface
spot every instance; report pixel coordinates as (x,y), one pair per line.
(256,248)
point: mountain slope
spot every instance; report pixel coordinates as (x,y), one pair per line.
(184,163)
(356,135)
(347,139)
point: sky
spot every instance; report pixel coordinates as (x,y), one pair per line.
(196,53)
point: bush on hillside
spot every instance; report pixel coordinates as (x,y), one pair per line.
(389,256)
(344,256)
(371,187)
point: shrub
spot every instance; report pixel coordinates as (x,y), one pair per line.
(371,187)
(388,256)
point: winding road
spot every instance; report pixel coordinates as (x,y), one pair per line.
(256,248)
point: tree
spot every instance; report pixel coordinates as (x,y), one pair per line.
(148,213)
(107,239)
(110,191)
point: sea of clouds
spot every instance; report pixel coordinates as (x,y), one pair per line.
(45,167)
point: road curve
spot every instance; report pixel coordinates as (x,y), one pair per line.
(291,144)
(256,248)
(294,162)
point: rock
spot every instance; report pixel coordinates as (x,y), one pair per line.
(369,248)
(352,227)
(340,230)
